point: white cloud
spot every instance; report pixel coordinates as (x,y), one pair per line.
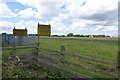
(78,25)
(5,26)
(5,12)
(106,28)
(27,13)
(16,10)
(27,2)
(58,27)
(67,15)
(48,9)
(44,8)
(111,30)
(90,7)
(73,9)
(30,25)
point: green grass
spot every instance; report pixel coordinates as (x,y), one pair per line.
(101,50)
(87,38)
(85,71)
(18,51)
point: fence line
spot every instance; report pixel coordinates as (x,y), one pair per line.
(75,74)
(91,68)
(85,57)
(51,60)
(70,54)
(42,61)
(75,64)
(21,47)
(93,59)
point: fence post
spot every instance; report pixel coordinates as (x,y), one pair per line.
(118,66)
(14,49)
(37,50)
(35,55)
(13,52)
(62,54)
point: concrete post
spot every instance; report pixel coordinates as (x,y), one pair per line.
(49,43)
(118,68)
(14,47)
(62,48)
(36,52)
(62,54)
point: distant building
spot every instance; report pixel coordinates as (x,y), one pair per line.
(91,36)
(98,36)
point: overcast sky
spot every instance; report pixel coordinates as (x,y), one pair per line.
(65,16)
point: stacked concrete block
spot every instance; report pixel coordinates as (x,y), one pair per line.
(9,39)
(0,40)
(31,39)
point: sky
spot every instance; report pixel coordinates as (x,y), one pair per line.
(65,16)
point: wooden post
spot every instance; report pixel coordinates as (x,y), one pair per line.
(62,54)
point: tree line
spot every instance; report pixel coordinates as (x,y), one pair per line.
(78,35)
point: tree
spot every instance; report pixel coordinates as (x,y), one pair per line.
(81,36)
(54,35)
(63,36)
(70,35)
(77,35)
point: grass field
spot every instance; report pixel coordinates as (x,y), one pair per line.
(103,50)
(86,38)
(96,49)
